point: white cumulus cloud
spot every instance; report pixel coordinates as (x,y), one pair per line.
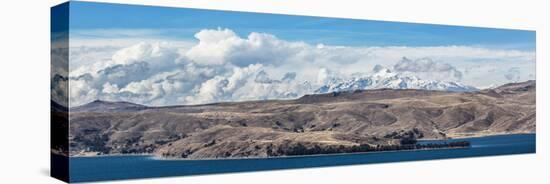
(223,66)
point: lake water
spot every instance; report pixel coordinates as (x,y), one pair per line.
(128,167)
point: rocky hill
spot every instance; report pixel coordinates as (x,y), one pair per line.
(337,120)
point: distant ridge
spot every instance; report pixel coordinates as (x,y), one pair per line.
(517,87)
(106,106)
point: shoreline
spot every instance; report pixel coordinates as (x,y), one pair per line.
(111,155)
(300,156)
(477,136)
(156,157)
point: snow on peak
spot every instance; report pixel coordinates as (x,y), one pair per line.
(385,78)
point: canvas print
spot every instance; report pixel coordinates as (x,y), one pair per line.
(144,91)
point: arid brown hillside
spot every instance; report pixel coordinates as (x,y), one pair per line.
(323,121)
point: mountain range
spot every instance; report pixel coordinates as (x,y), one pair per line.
(385,78)
(321,121)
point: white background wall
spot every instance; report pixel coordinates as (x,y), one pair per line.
(24,91)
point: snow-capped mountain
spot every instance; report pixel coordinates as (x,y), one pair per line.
(384,78)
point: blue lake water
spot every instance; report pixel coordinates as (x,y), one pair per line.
(128,167)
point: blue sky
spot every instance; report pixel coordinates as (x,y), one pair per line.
(183,23)
(169,56)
